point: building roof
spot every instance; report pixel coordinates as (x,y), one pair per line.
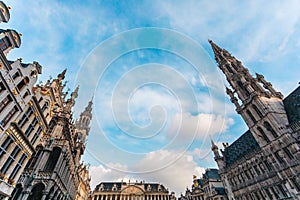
(244,145)
(292,106)
(220,190)
(212,174)
(108,186)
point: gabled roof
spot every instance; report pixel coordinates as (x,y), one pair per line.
(292,106)
(244,145)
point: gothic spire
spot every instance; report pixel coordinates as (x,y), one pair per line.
(88,109)
(221,55)
(61,76)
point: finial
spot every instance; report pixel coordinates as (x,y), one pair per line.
(20,34)
(61,76)
(9,8)
(209,40)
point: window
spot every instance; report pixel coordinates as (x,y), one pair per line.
(31,126)
(45,106)
(4,43)
(18,166)
(25,117)
(36,135)
(26,94)
(52,160)
(268,193)
(251,116)
(269,128)
(283,192)
(268,166)
(240,84)
(256,170)
(2,88)
(23,83)
(288,153)
(16,75)
(8,117)
(8,141)
(5,102)
(263,134)
(278,157)
(11,158)
(257,111)
(295,183)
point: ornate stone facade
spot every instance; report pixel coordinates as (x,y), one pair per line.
(83,190)
(264,162)
(54,171)
(21,119)
(209,187)
(131,191)
(40,144)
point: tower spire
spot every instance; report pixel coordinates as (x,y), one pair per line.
(61,76)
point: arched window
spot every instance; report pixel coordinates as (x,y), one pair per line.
(263,134)
(269,128)
(52,160)
(37,192)
(257,111)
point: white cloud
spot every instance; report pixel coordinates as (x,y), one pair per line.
(208,125)
(164,166)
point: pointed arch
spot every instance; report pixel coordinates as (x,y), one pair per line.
(36,192)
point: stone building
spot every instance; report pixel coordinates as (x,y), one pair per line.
(21,119)
(131,191)
(83,190)
(264,162)
(54,171)
(209,187)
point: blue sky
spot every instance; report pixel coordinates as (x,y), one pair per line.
(157,86)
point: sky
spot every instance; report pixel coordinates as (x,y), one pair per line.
(158,95)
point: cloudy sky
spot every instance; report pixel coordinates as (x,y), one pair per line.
(158,95)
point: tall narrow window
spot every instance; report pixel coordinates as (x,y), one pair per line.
(268,166)
(36,135)
(2,87)
(279,158)
(8,117)
(52,160)
(274,192)
(25,117)
(283,192)
(18,166)
(8,141)
(10,159)
(295,183)
(5,102)
(257,111)
(263,134)
(251,116)
(240,84)
(269,128)
(45,106)
(31,126)
(288,153)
